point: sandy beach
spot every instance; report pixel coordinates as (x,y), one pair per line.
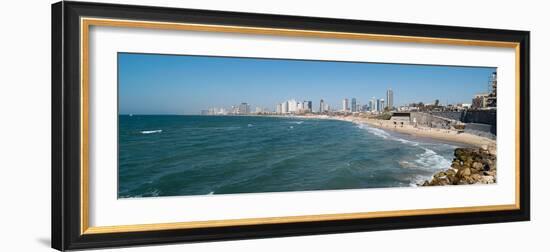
(419,131)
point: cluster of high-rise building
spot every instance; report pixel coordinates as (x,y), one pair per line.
(240,109)
(294,106)
(348,106)
(373,105)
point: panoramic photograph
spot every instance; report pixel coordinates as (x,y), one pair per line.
(210,125)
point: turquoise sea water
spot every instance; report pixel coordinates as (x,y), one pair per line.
(198,155)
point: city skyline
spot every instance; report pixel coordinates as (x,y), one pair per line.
(168,84)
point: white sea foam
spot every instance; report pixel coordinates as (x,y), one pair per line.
(405,141)
(383,134)
(296,122)
(407,164)
(430,160)
(211,193)
(375,131)
(250,125)
(418,179)
(151,131)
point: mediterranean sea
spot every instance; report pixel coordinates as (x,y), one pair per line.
(176,155)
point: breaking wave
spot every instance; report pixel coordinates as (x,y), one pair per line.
(296,122)
(432,161)
(428,160)
(151,131)
(383,134)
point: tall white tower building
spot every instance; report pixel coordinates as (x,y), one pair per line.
(292,106)
(389,98)
(284,107)
(345,105)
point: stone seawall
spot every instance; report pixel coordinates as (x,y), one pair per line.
(429,120)
(479,122)
(475,118)
(470,116)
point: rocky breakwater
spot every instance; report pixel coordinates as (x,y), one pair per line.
(470,166)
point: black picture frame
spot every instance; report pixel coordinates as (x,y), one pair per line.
(66,155)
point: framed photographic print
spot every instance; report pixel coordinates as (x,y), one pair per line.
(181,125)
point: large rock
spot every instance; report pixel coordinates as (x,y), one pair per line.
(464,172)
(470,166)
(487,180)
(478,166)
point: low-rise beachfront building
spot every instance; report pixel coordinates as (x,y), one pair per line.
(400,118)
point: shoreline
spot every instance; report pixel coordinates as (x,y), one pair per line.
(446,135)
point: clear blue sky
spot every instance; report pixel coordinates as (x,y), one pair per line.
(174,84)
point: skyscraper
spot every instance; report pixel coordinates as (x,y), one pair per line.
(353,105)
(308,106)
(345,105)
(374,104)
(382,105)
(389,98)
(244,108)
(284,107)
(292,106)
(279,108)
(321,106)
